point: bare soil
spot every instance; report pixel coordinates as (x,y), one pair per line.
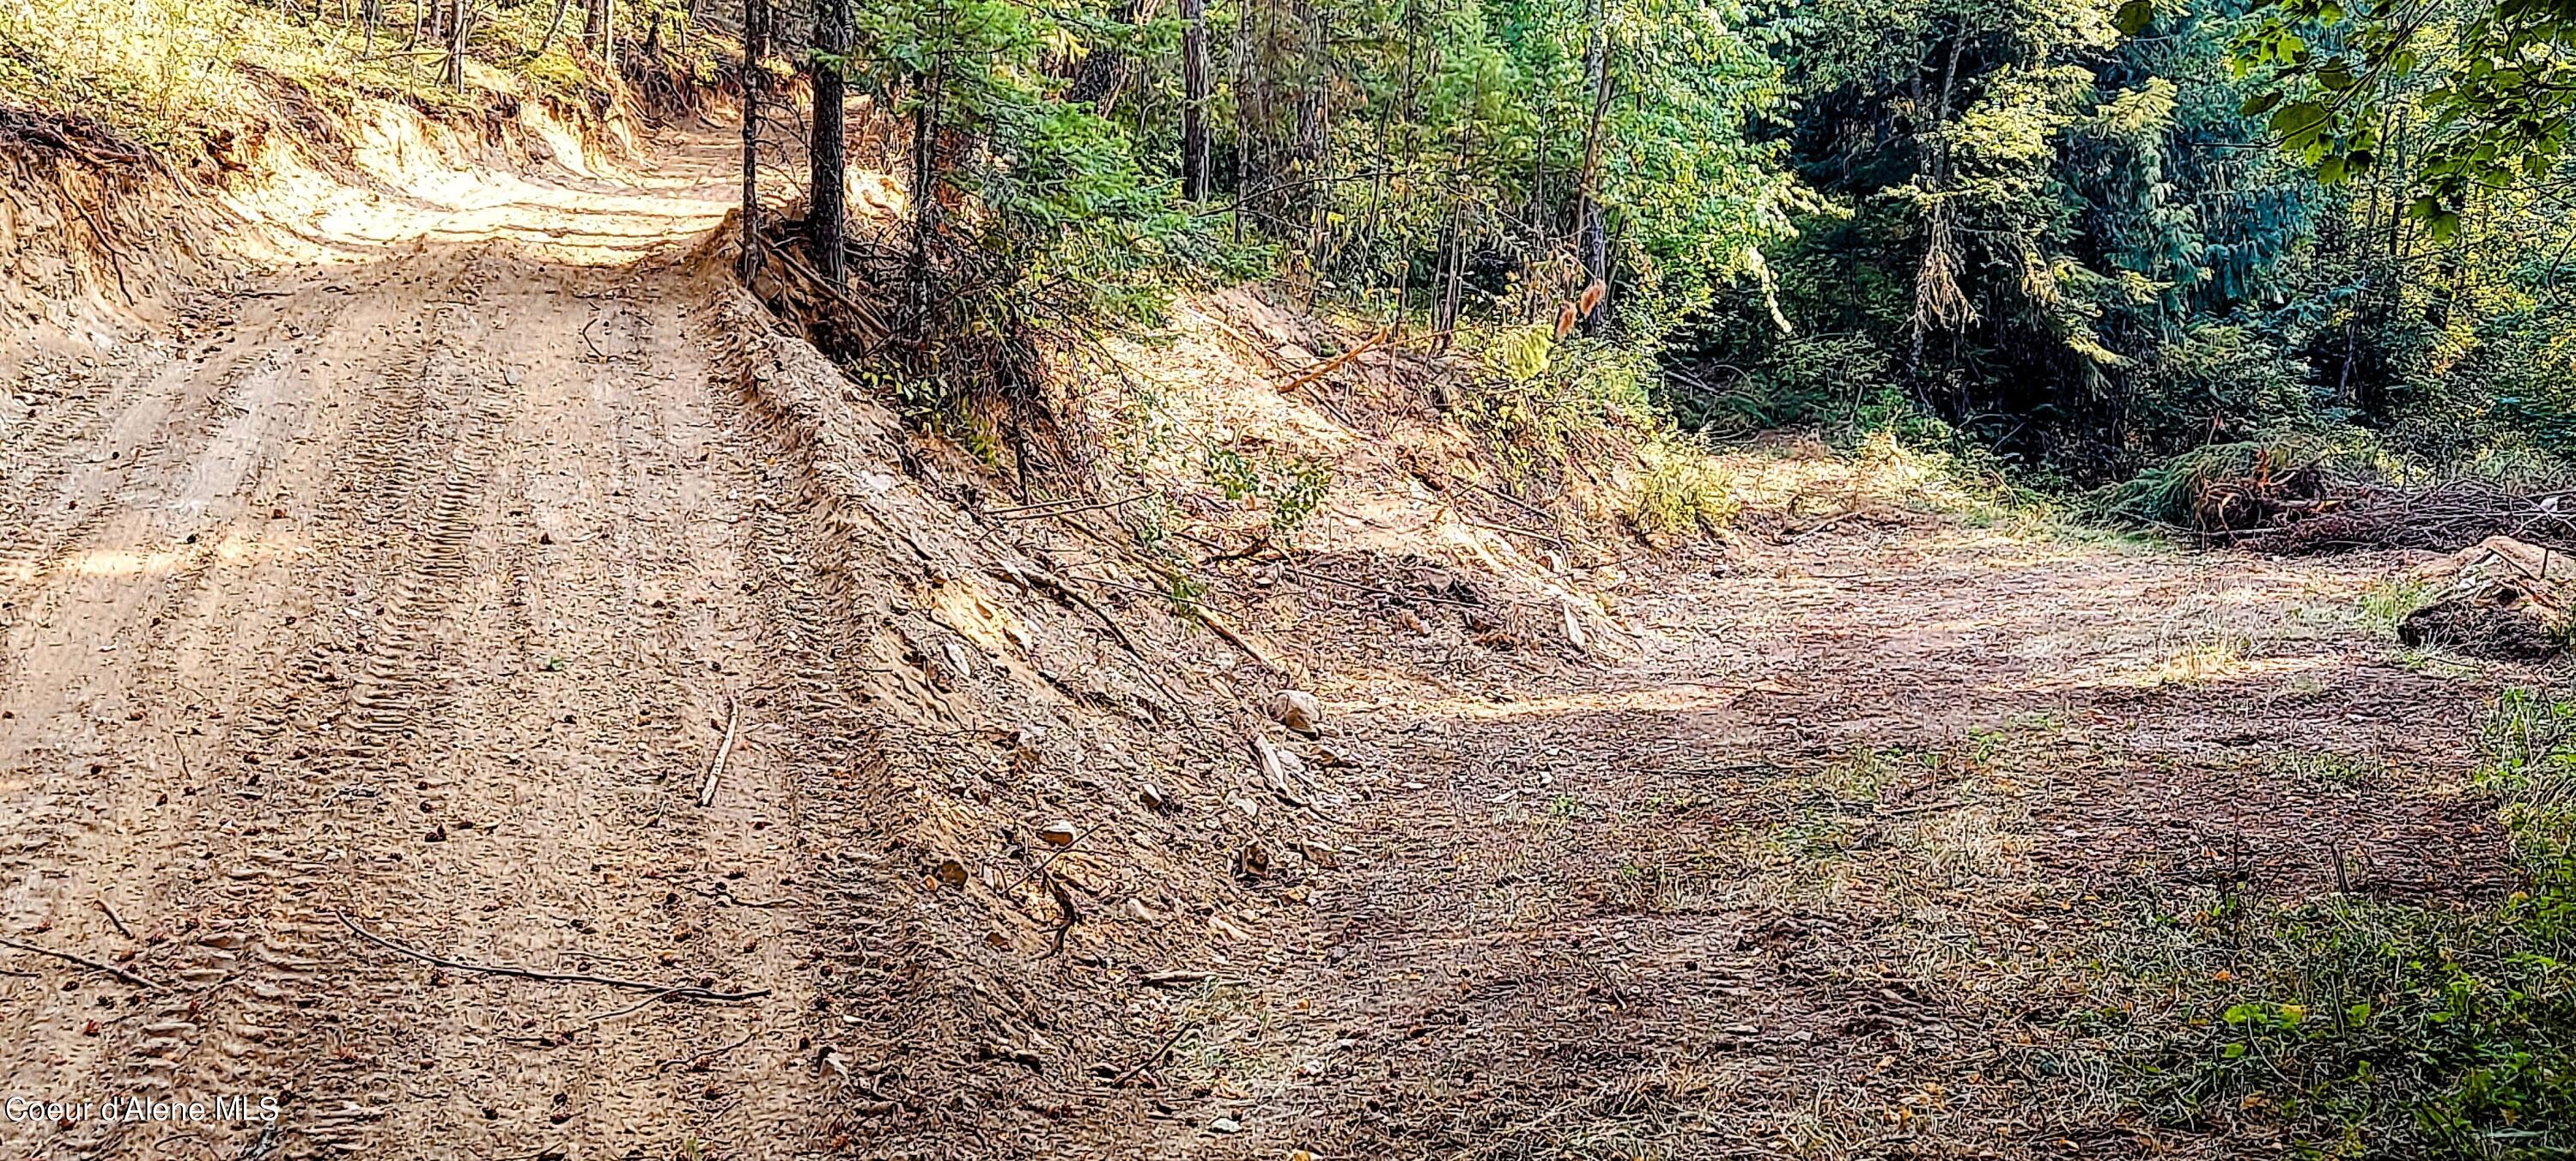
(1835,865)
(408,592)
(397,594)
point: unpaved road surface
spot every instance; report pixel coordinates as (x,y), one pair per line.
(409,597)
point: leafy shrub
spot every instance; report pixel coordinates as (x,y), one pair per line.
(2166,493)
(1679,492)
(1842,383)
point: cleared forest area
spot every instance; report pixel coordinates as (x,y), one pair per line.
(1528,579)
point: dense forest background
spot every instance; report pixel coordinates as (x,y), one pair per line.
(2081,236)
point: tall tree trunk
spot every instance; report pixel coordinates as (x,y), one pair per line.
(1194,99)
(598,27)
(925,189)
(1593,244)
(1449,284)
(1938,300)
(552,27)
(1279,112)
(755,83)
(826,201)
(459,22)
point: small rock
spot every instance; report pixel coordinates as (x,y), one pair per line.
(951,873)
(1253,862)
(277,513)
(1296,709)
(545,538)
(1281,769)
(1154,797)
(1058,833)
(1225,1125)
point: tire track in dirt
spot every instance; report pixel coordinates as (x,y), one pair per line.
(270,949)
(436,628)
(191,438)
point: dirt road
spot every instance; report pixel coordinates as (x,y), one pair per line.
(407,597)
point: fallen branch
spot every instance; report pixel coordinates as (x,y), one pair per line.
(682,992)
(1337,362)
(1048,508)
(1217,625)
(1148,1062)
(691,1062)
(1064,588)
(85,961)
(865,313)
(733,722)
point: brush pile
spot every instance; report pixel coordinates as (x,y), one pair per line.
(2436,517)
(2225,490)
(2291,497)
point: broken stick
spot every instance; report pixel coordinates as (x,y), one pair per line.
(733,720)
(85,961)
(667,990)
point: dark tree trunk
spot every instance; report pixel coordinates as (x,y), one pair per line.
(1449,285)
(552,27)
(1279,111)
(826,200)
(755,83)
(1935,283)
(1194,99)
(597,27)
(925,202)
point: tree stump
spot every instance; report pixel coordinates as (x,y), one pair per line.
(2503,600)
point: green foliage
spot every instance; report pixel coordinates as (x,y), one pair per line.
(1679,492)
(2494,83)
(1287,491)
(2057,244)
(2381,1029)
(1549,409)
(2389,602)
(172,74)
